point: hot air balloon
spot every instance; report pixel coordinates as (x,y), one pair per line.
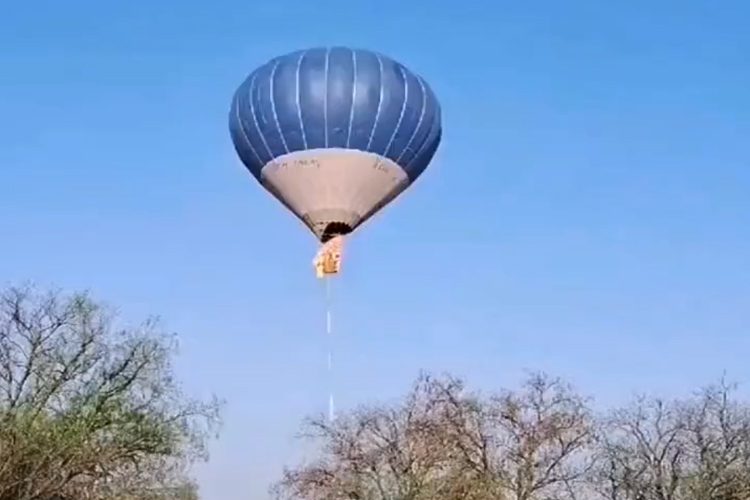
(335,134)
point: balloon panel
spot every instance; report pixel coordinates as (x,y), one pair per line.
(331,190)
(335,98)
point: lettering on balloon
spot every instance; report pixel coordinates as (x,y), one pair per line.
(380,167)
(296,164)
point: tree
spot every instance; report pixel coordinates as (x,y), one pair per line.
(526,444)
(692,449)
(90,409)
(376,452)
(445,443)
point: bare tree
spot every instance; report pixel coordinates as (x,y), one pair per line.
(532,443)
(376,453)
(545,432)
(443,442)
(692,449)
(89,409)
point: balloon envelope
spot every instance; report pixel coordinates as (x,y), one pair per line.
(335,133)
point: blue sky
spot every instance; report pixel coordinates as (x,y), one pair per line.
(586,215)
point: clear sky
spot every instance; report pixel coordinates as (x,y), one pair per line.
(587,214)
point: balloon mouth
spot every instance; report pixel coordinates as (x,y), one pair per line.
(335,229)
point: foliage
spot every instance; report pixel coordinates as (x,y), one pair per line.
(91,410)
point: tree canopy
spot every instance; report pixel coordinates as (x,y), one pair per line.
(91,408)
(540,441)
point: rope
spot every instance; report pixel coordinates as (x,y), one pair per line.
(329,333)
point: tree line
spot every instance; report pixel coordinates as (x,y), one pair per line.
(540,441)
(92,409)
